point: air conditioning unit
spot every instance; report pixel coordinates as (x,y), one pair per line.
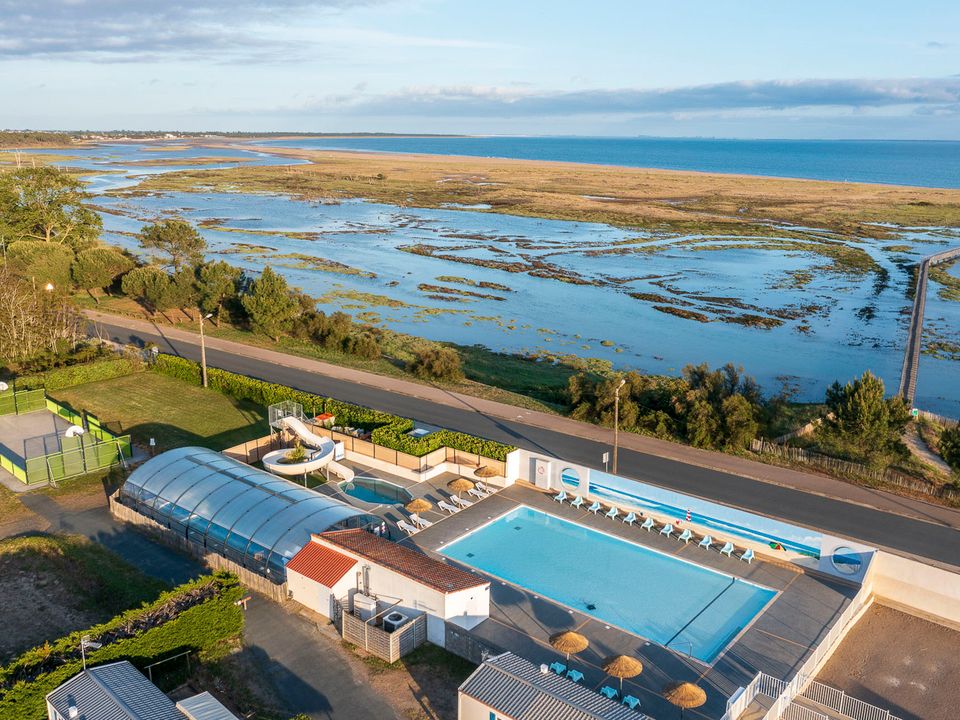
(394,621)
(364,606)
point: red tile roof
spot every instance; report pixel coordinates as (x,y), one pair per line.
(320,563)
(410,563)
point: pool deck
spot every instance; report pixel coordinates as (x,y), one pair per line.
(777,642)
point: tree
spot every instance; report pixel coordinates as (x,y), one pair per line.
(35,324)
(739,422)
(437,363)
(270,305)
(149,285)
(98,267)
(46,204)
(40,262)
(218,282)
(861,423)
(950,447)
(176,238)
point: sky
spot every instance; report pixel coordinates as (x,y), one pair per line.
(718,68)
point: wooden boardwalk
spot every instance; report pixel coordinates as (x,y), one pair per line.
(911,358)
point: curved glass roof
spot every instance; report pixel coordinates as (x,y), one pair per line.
(250,516)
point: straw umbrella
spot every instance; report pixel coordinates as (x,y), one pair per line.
(623,666)
(685,695)
(485,471)
(459,485)
(569,642)
(418,505)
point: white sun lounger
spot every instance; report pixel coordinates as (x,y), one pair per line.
(448,507)
(667,530)
(747,556)
(560,496)
(612,513)
(686,536)
(577,502)
(595,508)
(457,500)
(648,524)
(485,488)
(407,527)
(727,549)
(706,542)
(476,493)
(630,519)
(419,521)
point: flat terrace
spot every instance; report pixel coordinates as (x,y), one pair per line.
(777,642)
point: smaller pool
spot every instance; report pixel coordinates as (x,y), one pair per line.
(375,491)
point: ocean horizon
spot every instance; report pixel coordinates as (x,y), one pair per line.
(921,163)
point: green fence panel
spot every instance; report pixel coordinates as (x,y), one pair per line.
(8,405)
(67,414)
(13,468)
(21,402)
(36,470)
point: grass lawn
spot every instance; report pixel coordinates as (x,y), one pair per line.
(173,412)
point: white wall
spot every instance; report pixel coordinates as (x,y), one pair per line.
(470,709)
(468,608)
(316,596)
(914,586)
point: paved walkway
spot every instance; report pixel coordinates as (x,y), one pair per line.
(806,482)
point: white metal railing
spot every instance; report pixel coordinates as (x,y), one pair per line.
(841,702)
(741,700)
(798,712)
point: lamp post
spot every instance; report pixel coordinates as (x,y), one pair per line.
(616,422)
(203,348)
(86,642)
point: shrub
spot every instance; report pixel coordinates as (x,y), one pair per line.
(72,375)
(950,447)
(194,616)
(386,430)
(437,363)
(41,262)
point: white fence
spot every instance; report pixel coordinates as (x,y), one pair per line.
(841,702)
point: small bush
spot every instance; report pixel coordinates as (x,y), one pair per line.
(61,378)
(950,447)
(437,363)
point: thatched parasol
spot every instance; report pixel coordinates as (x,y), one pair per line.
(485,471)
(418,505)
(568,642)
(684,695)
(623,666)
(459,485)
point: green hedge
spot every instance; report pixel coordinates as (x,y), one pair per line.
(386,430)
(71,375)
(25,682)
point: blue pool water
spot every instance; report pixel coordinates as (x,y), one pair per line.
(375,491)
(678,604)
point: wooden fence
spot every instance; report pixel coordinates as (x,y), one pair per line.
(939,419)
(854,470)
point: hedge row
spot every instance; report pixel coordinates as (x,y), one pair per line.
(26,681)
(386,430)
(71,375)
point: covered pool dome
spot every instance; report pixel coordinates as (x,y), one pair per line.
(249,516)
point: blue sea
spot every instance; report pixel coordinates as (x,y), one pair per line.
(923,163)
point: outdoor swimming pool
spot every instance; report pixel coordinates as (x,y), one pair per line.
(672,602)
(375,491)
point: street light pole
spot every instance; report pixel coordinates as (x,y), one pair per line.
(203,348)
(616,422)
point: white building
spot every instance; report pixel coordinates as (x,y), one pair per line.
(339,564)
(118,691)
(507,687)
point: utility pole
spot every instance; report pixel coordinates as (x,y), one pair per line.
(616,422)
(203,347)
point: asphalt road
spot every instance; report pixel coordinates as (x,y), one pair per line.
(896,532)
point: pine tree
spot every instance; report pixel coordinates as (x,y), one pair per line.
(269,304)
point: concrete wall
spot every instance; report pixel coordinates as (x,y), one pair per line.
(468,646)
(316,596)
(917,588)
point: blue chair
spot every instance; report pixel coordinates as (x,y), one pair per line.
(577,502)
(561,496)
(747,556)
(575,675)
(631,701)
(727,549)
(612,513)
(706,542)
(648,524)
(609,692)
(595,507)
(630,519)
(558,667)
(667,530)
(686,536)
